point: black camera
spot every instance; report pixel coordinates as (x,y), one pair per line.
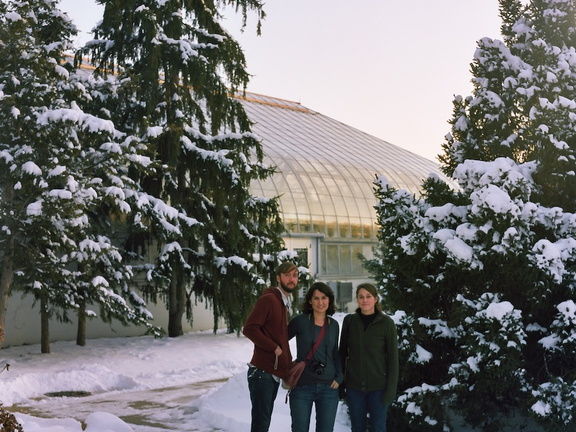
(318,367)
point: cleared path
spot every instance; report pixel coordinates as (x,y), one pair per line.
(165,409)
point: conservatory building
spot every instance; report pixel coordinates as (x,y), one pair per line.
(324,181)
(325,184)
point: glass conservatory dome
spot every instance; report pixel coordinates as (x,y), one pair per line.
(326,169)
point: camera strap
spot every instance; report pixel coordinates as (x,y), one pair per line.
(317,342)
(313,350)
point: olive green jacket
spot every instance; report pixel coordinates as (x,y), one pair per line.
(370,358)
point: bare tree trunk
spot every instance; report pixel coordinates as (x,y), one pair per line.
(44,325)
(81,330)
(6,274)
(176,306)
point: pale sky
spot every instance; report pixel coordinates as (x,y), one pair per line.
(388,68)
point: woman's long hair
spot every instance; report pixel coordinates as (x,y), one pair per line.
(324,289)
(372,290)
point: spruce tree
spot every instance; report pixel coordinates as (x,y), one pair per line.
(60,166)
(481,276)
(178,71)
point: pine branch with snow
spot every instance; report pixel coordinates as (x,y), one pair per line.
(482,275)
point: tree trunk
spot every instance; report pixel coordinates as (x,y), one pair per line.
(44,325)
(176,306)
(6,274)
(81,330)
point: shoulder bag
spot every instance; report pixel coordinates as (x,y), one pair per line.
(297,367)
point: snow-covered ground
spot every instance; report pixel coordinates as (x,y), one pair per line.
(196,382)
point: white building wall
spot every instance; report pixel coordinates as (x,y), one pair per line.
(23,323)
(23,317)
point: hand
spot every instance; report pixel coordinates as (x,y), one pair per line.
(334,385)
(342,391)
(278,351)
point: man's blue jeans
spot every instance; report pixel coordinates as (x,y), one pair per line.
(263,391)
(363,403)
(325,400)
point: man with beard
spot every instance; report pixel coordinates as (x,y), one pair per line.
(267,328)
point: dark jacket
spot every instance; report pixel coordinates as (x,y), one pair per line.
(303,327)
(267,327)
(370,358)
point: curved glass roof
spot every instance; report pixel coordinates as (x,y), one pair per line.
(326,169)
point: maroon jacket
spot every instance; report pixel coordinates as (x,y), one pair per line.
(267,327)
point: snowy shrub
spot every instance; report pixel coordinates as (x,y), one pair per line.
(484,271)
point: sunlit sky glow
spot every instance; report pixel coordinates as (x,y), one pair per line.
(388,68)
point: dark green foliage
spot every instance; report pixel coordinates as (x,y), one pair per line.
(481,277)
(178,70)
(63,177)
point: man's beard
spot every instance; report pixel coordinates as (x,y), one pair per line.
(285,288)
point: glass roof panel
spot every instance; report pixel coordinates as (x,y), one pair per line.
(326,169)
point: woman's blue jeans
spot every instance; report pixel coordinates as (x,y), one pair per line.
(263,390)
(325,400)
(364,403)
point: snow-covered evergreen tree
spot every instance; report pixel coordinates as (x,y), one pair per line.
(59,168)
(178,70)
(482,277)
